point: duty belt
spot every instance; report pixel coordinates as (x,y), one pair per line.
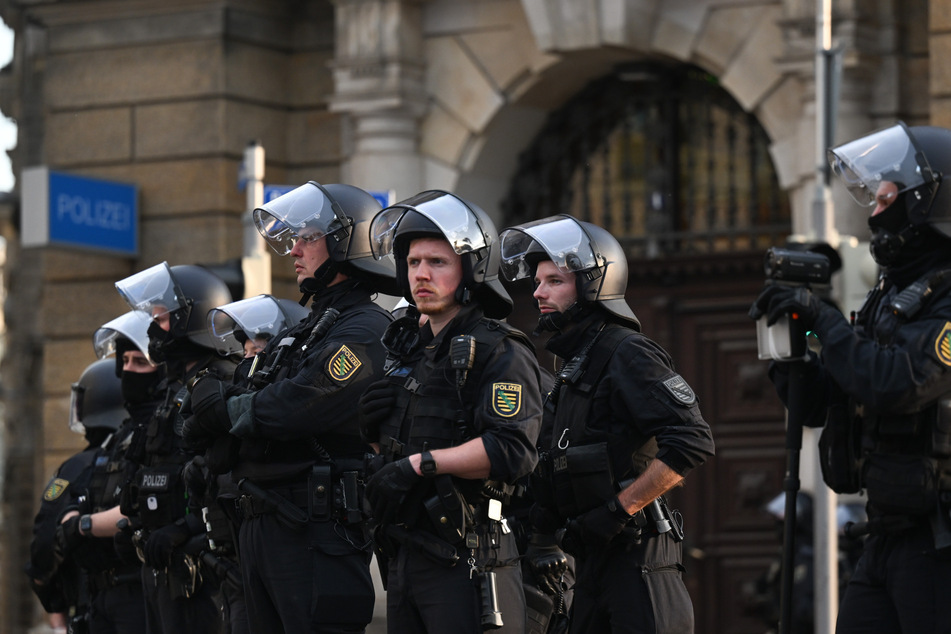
(100,581)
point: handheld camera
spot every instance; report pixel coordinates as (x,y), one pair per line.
(785,340)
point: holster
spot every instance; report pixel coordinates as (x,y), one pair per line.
(320,487)
(839,450)
(448,510)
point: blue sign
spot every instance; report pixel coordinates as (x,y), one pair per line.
(79,211)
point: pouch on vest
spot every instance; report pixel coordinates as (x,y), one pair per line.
(160,495)
(839,454)
(900,484)
(582,478)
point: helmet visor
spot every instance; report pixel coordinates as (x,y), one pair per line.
(258,317)
(561,238)
(133,325)
(152,291)
(889,155)
(451,216)
(76,394)
(307,212)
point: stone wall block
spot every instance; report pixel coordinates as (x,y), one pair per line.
(67,311)
(139,74)
(89,136)
(314,136)
(722,35)
(459,85)
(180,129)
(443,136)
(753,72)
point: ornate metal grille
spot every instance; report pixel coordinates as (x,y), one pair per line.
(660,156)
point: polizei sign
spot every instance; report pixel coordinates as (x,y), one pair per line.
(77,211)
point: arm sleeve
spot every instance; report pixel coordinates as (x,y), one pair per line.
(901,377)
(510,411)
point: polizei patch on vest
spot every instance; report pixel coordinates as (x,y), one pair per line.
(55,489)
(680,390)
(506,399)
(343,364)
(942,345)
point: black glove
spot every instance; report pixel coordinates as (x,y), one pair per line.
(195,477)
(387,489)
(158,547)
(777,300)
(375,406)
(209,404)
(68,537)
(122,542)
(601,524)
(547,561)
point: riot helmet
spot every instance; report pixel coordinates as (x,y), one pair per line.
(469,231)
(908,165)
(96,400)
(256,318)
(184,294)
(114,337)
(339,214)
(122,334)
(589,252)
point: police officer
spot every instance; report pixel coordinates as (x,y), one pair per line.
(303,545)
(59,552)
(882,385)
(457,418)
(624,429)
(179,597)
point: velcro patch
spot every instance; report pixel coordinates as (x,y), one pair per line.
(942,345)
(151,481)
(506,399)
(679,389)
(56,488)
(343,364)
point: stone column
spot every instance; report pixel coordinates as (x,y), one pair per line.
(379,83)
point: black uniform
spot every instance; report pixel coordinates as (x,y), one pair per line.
(435,565)
(56,577)
(303,546)
(882,389)
(618,404)
(115,578)
(179,598)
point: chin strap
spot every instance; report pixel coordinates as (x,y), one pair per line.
(323,276)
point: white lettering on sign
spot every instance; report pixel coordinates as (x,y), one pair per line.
(103,214)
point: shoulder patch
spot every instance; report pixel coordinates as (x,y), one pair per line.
(343,364)
(56,488)
(942,344)
(506,399)
(679,389)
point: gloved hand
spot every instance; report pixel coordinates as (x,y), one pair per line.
(158,547)
(547,561)
(195,477)
(603,523)
(122,541)
(387,489)
(68,537)
(777,300)
(209,405)
(375,406)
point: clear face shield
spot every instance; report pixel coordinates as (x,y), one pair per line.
(133,325)
(258,317)
(76,394)
(152,291)
(450,215)
(308,213)
(887,156)
(562,240)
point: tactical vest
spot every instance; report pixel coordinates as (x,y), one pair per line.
(435,401)
(902,461)
(583,468)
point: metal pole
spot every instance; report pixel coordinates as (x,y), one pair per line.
(825,535)
(256,260)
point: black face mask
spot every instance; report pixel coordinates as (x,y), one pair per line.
(142,387)
(891,234)
(557,321)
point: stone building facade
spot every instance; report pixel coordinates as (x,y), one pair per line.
(400,95)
